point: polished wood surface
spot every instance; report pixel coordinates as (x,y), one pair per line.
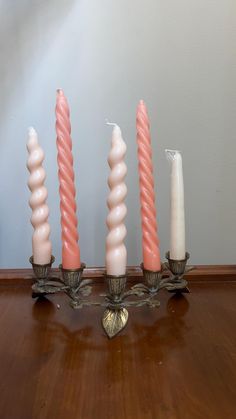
(175,362)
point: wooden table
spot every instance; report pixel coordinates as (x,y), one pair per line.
(178,361)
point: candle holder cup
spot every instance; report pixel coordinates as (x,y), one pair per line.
(152,279)
(178,269)
(76,287)
(44,284)
(72,277)
(41,271)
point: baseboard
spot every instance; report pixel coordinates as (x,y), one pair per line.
(199,273)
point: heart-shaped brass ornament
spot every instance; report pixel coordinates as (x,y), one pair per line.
(114,321)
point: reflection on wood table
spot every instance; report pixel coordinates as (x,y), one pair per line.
(178,361)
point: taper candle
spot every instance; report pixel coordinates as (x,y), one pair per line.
(150,241)
(116,254)
(177,217)
(70,247)
(41,245)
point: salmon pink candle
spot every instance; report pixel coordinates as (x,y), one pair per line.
(150,242)
(70,247)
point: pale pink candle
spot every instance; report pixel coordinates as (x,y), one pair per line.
(150,241)
(116,254)
(70,247)
(41,245)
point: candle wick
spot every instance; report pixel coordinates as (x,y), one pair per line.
(110,123)
(170,154)
(171,151)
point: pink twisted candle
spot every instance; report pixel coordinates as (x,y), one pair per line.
(70,247)
(150,242)
(42,247)
(116,254)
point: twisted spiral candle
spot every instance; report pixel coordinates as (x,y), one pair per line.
(116,254)
(150,242)
(70,247)
(42,247)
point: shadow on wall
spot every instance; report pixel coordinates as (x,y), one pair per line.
(24,30)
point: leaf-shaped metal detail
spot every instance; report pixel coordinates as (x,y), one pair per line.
(86,290)
(153,303)
(114,321)
(45,289)
(85,282)
(76,304)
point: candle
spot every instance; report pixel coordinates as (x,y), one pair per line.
(41,245)
(150,241)
(177,220)
(70,247)
(116,254)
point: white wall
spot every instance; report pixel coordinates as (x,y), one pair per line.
(179,56)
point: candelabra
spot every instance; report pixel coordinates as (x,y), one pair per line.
(117,299)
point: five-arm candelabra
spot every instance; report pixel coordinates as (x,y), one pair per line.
(117,298)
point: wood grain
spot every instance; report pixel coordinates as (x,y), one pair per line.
(175,362)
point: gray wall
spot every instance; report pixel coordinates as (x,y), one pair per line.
(179,56)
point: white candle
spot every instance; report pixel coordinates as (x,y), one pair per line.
(177,219)
(42,247)
(116,254)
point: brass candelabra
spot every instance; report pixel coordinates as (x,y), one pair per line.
(117,299)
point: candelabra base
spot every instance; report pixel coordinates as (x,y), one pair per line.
(116,315)
(117,299)
(71,282)
(170,278)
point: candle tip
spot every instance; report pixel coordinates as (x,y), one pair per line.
(171,154)
(59,91)
(31,131)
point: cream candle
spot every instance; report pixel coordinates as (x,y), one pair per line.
(177,217)
(116,254)
(41,245)
(70,247)
(150,241)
